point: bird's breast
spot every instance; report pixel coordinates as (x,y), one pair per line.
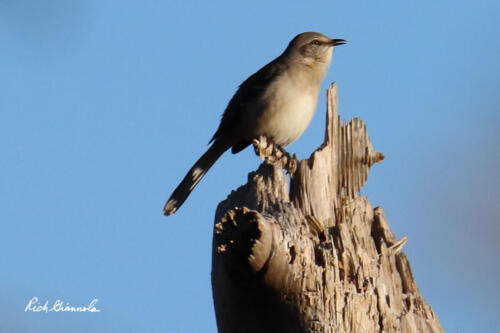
(288,109)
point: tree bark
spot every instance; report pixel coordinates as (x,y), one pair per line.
(314,256)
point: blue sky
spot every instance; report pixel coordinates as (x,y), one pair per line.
(105,105)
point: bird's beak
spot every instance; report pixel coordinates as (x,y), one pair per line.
(335,42)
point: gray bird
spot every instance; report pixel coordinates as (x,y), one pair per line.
(277,102)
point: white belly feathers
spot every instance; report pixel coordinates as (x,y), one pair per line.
(288,116)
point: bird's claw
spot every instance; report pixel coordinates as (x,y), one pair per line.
(273,153)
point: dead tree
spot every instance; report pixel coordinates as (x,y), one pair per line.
(313,256)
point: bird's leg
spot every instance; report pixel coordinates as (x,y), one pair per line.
(272,153)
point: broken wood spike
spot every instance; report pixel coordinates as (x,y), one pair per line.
(316,225)
(396,247)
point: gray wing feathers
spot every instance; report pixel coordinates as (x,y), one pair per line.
(249,91)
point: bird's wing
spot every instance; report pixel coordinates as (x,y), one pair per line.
(249,91)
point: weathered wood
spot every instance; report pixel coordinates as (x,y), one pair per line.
(316,257)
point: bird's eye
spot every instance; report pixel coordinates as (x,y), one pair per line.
(316,42)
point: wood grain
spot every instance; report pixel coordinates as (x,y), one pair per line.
(313,256)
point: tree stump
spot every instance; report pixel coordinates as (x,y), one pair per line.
(314,256)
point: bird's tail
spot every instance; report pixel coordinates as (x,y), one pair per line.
(194,175)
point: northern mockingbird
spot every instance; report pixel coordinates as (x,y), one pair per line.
(277,102)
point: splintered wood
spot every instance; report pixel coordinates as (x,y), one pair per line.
(316,257)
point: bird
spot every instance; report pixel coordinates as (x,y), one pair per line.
(277,102)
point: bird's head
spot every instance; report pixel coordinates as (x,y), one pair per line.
(312,48)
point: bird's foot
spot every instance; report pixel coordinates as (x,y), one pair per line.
(272,153)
